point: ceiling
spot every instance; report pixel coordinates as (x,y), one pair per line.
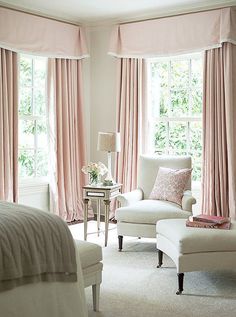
(103,11)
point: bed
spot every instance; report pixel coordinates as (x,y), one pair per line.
(38,297)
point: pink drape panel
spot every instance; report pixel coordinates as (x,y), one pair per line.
(67,137)
(8,126)
(28,33)
(130,119)
(219,128)
(174,35)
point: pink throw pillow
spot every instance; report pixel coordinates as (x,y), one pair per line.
(170,184)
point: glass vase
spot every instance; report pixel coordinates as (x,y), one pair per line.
(93,179)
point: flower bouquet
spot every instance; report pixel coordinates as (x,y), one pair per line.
(94,171)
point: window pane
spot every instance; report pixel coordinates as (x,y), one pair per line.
(164,102)
(197,172)
(39,73)
(39,86)
(42,163)
(42,134)
(179,102)
(26,133)
(177,136)
(25,107)
(159,89)
(25,71)
(195,135)
(179,74)
(39,102)
(197,102)
(164,95)
(197,165)
(26,163)
(197,73)
(160,137)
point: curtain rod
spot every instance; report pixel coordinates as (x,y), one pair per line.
(176,14)
(38,15)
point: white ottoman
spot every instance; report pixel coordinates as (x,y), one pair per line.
(195,249)
(91,257)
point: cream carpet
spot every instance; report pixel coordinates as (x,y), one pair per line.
(133,287)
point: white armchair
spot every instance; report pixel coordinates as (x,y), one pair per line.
(138,215)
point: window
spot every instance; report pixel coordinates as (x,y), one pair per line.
(33,138)
(175,107)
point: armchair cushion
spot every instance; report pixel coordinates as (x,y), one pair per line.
(170,184)
(149,212)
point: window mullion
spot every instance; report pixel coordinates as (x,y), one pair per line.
(35,148)
(190,89)
(169,89)
(32,87)
(168,137)
(188,137)
(169,108)
(189,103)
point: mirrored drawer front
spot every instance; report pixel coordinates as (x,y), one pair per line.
(95,194)
(115,193)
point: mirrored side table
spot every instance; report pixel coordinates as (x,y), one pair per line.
(99,193)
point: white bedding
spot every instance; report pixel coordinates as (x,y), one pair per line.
(46,299)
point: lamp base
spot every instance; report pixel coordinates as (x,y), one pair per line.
(109,180)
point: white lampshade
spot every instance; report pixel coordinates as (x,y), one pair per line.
(109,141)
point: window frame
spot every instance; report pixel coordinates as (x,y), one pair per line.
(167,119)
(35,119)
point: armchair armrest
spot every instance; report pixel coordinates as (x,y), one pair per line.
(129,198)
(188,200)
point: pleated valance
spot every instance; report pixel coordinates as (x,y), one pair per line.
(174,35)
(27,33)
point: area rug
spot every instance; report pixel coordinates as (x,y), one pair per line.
(133,287)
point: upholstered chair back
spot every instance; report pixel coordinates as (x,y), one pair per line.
(148,168)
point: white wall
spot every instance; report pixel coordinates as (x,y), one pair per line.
(103,89)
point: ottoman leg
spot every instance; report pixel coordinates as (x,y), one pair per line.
(181,283)
(120,240)
(160,258)
(96,294)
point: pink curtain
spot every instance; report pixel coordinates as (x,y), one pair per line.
(8,125)
(66,137)
(130,119)
(219,117)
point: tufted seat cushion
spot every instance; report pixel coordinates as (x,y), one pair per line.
(149,212)
(189,240)
(90,253)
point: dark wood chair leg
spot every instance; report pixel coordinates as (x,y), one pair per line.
(120,240)
(180,283)
(160,258)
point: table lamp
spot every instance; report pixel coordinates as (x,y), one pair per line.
(109,142)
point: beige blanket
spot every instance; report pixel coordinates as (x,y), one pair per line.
(34,246)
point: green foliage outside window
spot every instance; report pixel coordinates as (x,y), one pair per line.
(33,143)
(176,108)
